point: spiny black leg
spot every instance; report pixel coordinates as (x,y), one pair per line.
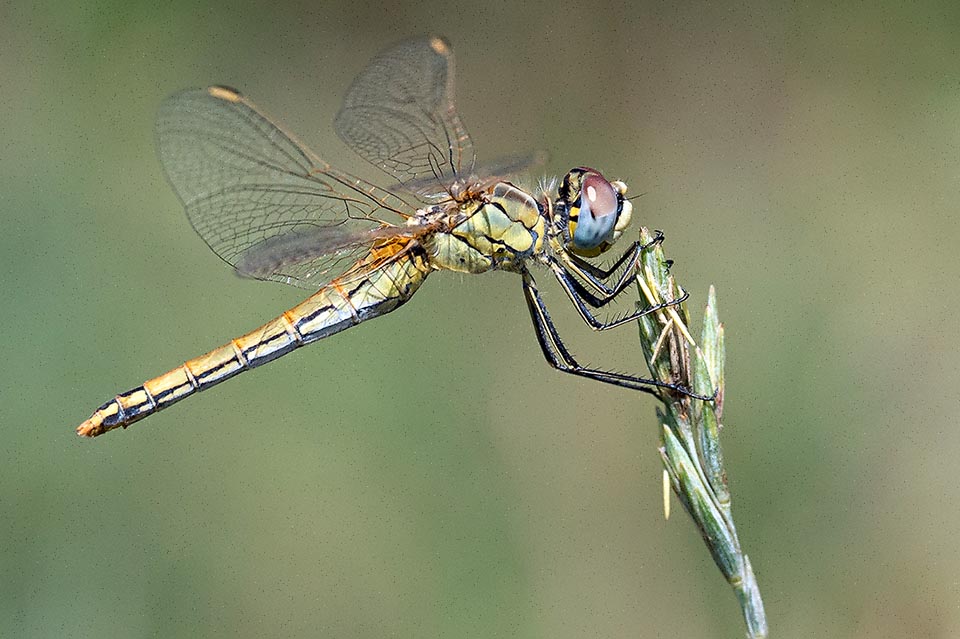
(596,276)
(582,297)
(635,248)
(596,301)
(560,358)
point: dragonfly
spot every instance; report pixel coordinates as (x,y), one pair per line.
(274,210)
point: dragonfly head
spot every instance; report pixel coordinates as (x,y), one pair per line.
(592,211)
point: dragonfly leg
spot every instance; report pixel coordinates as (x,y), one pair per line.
(596,276)
(582,299)
(560,358)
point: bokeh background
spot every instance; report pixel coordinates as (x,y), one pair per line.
(426,474)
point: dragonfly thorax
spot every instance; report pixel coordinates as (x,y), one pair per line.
(496,229)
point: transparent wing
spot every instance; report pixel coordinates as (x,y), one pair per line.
(260,199)
(500,169)
(399,114)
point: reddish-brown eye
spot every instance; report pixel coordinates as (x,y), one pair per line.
(600,195)
(594,213)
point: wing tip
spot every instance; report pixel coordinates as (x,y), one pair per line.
(440,45)
(224,92)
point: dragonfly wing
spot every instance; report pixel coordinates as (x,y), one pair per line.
(502,168)
(399,114)
(249,187)
(312,256)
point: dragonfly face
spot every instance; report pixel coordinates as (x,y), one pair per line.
(270,207)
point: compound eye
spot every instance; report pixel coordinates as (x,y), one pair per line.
(596,218)
(600,195)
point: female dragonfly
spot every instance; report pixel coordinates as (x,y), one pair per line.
(274,210)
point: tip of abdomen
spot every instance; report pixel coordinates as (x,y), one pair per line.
(91,427)
(104,419)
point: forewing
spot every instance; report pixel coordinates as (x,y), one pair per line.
(399,114)
(503,168)
(256,194)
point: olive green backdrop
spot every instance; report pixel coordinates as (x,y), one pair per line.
(427,474)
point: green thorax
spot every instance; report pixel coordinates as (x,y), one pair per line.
(499,229)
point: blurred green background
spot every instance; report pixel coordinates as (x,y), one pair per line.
(427,474)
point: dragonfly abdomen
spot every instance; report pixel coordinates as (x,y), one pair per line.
(343,303)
